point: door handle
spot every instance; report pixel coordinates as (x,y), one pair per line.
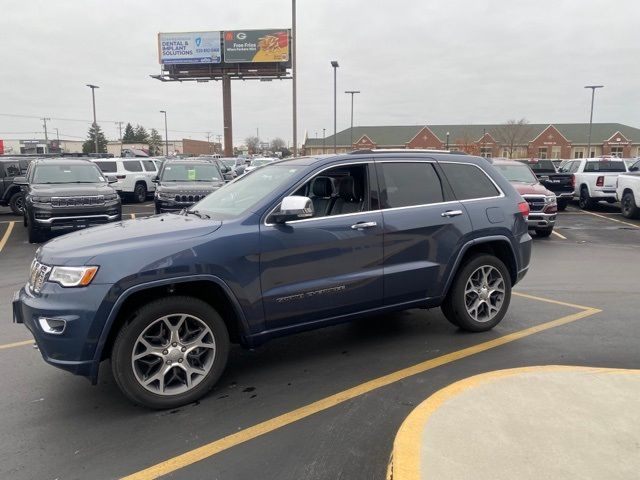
(451,213)
(362,225)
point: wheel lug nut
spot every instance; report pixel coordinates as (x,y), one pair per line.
(168,362)
(179,360)
(174,344)
(183,349)
(165,352)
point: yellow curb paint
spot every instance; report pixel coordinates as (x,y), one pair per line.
(559,235)
(16,344)
(406,458)
(6,235)
(612,219)
(206,451)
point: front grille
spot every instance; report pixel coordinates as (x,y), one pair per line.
(38,275)
(536,204)
(189,198)
(86,201)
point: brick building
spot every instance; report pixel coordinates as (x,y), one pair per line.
(560,140)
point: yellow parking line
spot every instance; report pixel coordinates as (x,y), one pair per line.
(612,219)
(133,216)
(5,237)
(557,234)
(16,344)
(217,446)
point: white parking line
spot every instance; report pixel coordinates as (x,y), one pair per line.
(558,235)
(612,219)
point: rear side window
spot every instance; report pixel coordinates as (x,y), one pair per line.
(149,166)
(12,169)
(604,166)
(468,181)
(407,184)
(132,166)
(107,167)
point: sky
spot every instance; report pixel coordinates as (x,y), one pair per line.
(416,62)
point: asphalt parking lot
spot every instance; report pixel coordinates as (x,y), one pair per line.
(322,404)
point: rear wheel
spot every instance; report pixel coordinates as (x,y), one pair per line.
(140,193)
(585,201)
(16,203)
(544,232)
(171,353)
(479,297)
(562,204)
(628,206)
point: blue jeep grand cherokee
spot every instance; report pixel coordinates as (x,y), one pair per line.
(296,245)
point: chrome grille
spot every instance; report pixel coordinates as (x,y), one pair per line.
(536,204)
(38,275)
(85,201)
(189,198)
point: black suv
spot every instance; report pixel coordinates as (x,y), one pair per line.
(181,183)
(10,194)
(65,194)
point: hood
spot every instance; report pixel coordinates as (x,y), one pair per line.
(189,187)
(144,235)
(71,189)
(531,188)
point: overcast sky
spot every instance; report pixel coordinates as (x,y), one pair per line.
(415,61)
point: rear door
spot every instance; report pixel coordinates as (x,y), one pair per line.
(424,227)
(151,171)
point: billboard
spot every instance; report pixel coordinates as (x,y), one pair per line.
(189,47)
(256,46)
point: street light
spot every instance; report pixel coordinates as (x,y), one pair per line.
(447,140)
(352,92)
(334,64)
(593,92)
(324,150)
(95,123)
(166,134)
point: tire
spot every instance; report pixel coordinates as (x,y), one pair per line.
(16,203)
(150,320)
(562,205)
(585,202)
(544,232)
(140,193)
(35,234)
(454,306)
(628,206)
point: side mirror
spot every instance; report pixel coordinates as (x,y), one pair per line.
(111,179)
(228,177)
(20,181)
(293,208)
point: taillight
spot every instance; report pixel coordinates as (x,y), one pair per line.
(121,177)
(573,181)
(524,209)
(600,182)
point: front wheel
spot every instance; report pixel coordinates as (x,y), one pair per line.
(35,234)
(479,297)
(628,206)
(171,353)
(544,232)
(562,205)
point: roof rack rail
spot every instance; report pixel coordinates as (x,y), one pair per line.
(406,150)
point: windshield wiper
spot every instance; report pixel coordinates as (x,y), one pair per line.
(197,213)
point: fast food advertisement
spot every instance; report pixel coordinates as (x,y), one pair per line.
(256,46)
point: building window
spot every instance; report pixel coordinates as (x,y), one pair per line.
(505,152)
(617,151)
(556,152)
(578,154)
(542,152)
(486,152)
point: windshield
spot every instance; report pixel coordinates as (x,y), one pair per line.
(229,162)
(517,173)
(67,174)
(244,193)
(190,172)
(605,166)
(260,161)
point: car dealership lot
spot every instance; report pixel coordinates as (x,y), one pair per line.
(55,425)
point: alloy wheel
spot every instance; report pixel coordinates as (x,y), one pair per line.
(484,293)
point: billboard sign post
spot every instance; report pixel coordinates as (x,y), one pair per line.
(256,46)
(189,48)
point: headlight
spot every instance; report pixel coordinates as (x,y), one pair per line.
(550,199)
(164,195)
(73,276)
(111,196)
(36,199)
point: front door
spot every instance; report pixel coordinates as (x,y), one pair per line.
(329,265)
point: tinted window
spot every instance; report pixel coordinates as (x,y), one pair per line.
(190,172)
(542,166)
(605,166)
(132,166)
(12,169)
(406,184)
(76,173)
(468,181)
(149,166)
(107,167)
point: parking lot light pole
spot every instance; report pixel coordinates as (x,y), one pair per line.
(95,123)
(447,140)
(352,92)
(166,134)
(593,92)
(334,64)
(323,140)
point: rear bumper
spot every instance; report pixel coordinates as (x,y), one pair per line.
(604,193)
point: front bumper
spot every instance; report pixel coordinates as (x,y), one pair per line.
(82,309)
(541,220)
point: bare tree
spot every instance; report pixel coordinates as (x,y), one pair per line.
(277,144)
(466,143)
(513,134)
(253,144)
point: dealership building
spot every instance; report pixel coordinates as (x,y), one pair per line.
(558,140)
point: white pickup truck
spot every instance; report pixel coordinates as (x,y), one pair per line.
(628,191)
(594,179)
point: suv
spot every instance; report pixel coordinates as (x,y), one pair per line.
(134,176)
(543,204)
(295,245)
(10,194)
(181,183)
(65,194)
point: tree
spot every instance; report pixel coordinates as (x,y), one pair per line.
(277,145)
(513,134)
(467,144)
(89,146)
(155,143)
(253,144)
(141,135)
(129,135)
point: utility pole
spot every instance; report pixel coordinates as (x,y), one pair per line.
(208,142)
(46,137)
(95,123)
(352,92)
(120,129)
(294,77)
(219,139)
(166,133)
(323,140)
(334,64)
(593,92)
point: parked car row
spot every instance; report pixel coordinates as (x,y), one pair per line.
(628,191)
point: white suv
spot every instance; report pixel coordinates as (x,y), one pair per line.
(135,175)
